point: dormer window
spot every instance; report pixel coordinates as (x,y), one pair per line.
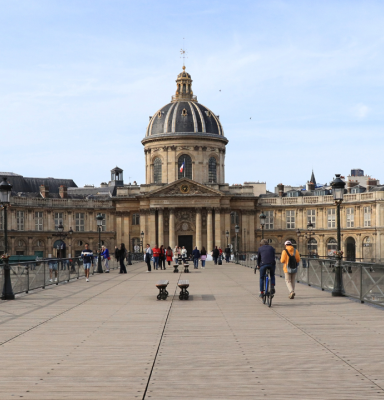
(209,114)
(293,194)
(184,112)
(159,114)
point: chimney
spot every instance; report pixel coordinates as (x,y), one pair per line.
(63,192)
(280,188)
(44,191)
(311,186)
(350,185)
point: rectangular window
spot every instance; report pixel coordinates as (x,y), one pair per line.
(104,223)
(234,218)
(332,218)
(269,220)
(367,216)
(79,217)
(20,220)
(58,219)
(311,217)
(291,219)
(135,219)
(350,217)
(38,221)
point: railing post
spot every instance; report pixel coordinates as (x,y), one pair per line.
(78,268)
(58,272)
(27,268)
(309,266)
(44,265)
(361,284)
(321,275)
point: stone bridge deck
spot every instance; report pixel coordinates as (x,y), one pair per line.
(111,339)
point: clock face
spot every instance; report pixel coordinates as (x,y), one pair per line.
(184,188)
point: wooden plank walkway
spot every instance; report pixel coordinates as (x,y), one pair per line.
(111,339)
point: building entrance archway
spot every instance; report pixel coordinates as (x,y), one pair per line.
(350,244)
(187,242)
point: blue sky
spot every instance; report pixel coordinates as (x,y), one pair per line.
(301,84)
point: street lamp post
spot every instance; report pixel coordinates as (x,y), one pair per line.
(99,220)
(308,236)
(338,186)
(142,242)
(262,217)
(227,236)
(70,235)
(299,235)
(5,199)
(237,229)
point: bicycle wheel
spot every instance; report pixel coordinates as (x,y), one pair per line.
(270,296)
(265,290)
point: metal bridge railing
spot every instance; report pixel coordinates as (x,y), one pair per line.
(361,280)
(30,275)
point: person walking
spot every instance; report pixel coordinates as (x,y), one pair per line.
(87,256)
(203,257)
(148,256)
(184,253)
(106,258)
(227,252)
(162,257)
(117,253)
(196,256)
(169,255)
(156,256)
(122,256)
(266,260)
(215,254)
(290,257)
(176,254)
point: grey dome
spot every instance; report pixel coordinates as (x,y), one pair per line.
(184,117)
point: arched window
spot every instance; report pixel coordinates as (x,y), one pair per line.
(157,170)
(212,178)
(185,166)
(331,247)
(312,247)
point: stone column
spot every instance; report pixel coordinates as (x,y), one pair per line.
(49,225)
(244,232)
(165,165)
(143,227)
(227,225)
(12,248)
(152,227)
(209,230)
(126,231)
(160,214)
(70,220)
(172,240)
(29,251)
(118,228)
(251,235)
(49,246)
(30,226)
(199,243)
(217,227)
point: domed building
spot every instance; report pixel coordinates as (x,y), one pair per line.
(184,133)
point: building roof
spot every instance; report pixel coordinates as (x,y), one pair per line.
(184,114)
(23,184)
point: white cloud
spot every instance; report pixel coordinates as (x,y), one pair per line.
(361,111)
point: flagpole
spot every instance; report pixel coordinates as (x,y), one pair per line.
(184,167)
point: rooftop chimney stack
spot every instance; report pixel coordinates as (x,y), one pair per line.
(44,191)
(63,192)
(280,188)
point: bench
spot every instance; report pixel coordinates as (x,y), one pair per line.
(186,268)
(183,285)
(162,286)
(176,268)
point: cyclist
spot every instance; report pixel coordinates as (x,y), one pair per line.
(266,260)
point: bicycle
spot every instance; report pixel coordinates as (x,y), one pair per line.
(267,294)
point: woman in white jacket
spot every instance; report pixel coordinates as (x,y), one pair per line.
(184,252)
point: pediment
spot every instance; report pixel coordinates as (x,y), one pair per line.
(185,187)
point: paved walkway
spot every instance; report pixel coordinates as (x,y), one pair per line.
(111,339)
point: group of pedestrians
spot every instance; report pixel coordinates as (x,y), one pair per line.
(266,260)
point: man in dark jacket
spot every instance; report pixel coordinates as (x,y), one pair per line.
(227,252)
(215,254)
(266,260)
(196,257)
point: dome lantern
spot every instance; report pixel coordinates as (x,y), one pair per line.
(184,88)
